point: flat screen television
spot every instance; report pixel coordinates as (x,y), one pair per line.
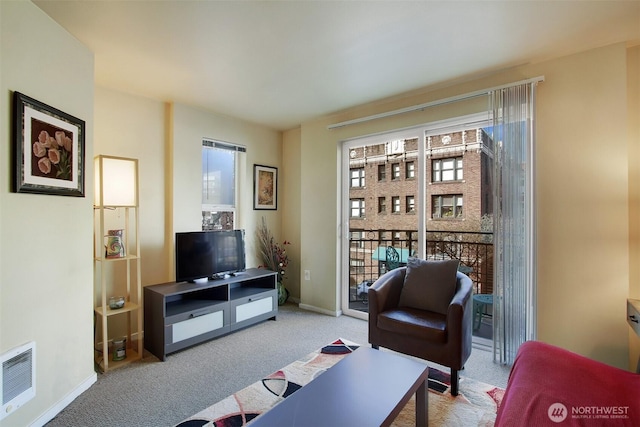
(209,254)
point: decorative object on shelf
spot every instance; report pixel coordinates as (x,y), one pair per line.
(116,303)
(265,187)
(274,256)
(120,349)
(49,149)
(114,248)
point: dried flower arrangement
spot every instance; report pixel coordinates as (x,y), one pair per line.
(274,257)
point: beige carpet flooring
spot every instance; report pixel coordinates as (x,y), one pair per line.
(154,393)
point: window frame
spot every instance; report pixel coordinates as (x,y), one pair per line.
(437,205)
(221,210)
(410,204)
(356,237)
(382,205)
(395,204)
(361,208)
(396,171)
(437,171)
(360,178)
(410,169)
(358,264)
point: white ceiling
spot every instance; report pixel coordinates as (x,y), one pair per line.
(279,63)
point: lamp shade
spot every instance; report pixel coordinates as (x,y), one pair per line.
(116,181)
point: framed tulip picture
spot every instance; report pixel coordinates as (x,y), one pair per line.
(48,149)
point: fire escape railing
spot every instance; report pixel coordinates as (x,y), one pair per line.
(367,256)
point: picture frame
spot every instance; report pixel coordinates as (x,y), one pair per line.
(49,149)
(265,187)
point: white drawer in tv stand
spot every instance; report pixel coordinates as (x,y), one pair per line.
(178,315)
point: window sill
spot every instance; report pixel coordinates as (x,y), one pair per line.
(459,181)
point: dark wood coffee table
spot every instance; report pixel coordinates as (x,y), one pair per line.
(366,388)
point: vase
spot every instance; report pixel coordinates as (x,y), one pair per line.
(114,246)
(283,293)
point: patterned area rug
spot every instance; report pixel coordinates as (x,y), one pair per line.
(476,404)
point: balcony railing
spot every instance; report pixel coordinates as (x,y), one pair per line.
(367,256)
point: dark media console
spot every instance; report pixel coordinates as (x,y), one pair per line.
(178,315)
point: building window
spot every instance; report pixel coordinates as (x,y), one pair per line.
(382,204)
(382,172)
(395,171)
(395,204)
(356,239)
(446,206)
(219,184)
(357,265)
(411,204)
(410,170)
(357,177)
(357,208)
(447,169)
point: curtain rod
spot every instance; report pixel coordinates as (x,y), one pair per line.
(426,105)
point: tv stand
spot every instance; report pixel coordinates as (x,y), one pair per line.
(178,315)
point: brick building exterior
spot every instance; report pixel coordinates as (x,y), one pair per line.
(383,195)
(383,183)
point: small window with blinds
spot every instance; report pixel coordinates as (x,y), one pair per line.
(219,184)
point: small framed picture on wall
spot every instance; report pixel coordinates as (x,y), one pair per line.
(48,149)
(265,187)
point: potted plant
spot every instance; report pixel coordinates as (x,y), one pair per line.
(274,257)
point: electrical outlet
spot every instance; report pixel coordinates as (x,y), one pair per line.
(307,275)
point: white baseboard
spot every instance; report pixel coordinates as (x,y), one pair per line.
(294,300)
(58,407)
(320,310)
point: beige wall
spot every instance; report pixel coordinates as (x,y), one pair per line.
(131,126)
(167,140)
(46,254)
(189,126)
(582,205)
(291,208)
(583,225)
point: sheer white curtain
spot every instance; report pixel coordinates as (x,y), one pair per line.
(514,221)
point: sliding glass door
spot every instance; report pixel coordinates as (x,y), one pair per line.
(423,192)
(457,189)
(383,211)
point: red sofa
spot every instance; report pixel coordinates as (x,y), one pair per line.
(550,386)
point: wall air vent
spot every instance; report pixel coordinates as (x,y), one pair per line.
(18,384)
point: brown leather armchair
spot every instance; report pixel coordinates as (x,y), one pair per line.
(440,338)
